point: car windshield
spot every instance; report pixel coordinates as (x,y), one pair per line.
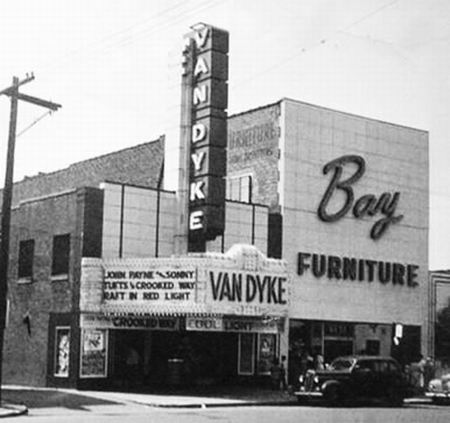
(341,364)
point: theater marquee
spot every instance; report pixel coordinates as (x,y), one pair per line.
(241,282)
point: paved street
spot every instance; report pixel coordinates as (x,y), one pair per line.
(136,413)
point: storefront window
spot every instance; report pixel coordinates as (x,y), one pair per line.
(266,352)
(62,353)
(246,361)
(94,353)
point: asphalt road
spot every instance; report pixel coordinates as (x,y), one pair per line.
(135,413)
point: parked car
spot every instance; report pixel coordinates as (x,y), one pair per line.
(439,389)
(355,377)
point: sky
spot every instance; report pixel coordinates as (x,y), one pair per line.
(108,62)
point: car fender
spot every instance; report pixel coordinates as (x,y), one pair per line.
(329,383)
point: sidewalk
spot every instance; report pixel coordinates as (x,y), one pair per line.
(10,410)
(198,397)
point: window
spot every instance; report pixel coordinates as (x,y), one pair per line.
(373,347)
(341,364)
(26,254)
(266,352)
(62,343)
(61,254)
(240,188)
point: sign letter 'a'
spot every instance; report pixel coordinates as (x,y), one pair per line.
(200,67)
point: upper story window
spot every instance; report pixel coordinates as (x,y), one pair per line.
(61,255)
(239,188)
(26,255)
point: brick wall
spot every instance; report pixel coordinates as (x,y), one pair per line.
(253,149)
(139,165)
(26,354)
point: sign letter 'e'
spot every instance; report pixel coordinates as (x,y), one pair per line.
(196,220)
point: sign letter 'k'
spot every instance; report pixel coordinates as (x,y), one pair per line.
(197,191)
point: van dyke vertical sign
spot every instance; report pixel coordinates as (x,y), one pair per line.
(209,133)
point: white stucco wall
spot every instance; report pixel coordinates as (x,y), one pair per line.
(396,159)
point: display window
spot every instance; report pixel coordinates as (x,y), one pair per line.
(266,352)
(62,353)
(94,353)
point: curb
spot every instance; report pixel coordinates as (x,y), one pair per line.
(252,404)
(11,410)
(220,404)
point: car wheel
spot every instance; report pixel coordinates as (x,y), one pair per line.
(302,400)
(332,395)
(437,401)
(395,399)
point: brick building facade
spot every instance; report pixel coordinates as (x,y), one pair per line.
(65,203)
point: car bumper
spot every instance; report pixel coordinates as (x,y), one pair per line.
(437,394)
(308,394)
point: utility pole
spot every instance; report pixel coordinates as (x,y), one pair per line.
(13,93)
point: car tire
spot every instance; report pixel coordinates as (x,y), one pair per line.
(302,400)
(332,395)
(394,398)
(437,401)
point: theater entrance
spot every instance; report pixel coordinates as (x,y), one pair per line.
(141,359)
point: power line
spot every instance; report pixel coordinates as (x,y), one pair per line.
(49,112)
(98,44)
(314,45)
(103,46)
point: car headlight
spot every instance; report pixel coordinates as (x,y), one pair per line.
(435,385)
(301,379)
(316,379)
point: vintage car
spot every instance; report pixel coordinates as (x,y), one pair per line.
(439,389)
(355,378)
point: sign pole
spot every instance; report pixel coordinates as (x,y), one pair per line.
(181,238)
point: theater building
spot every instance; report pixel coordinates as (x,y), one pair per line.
(92,276)
(320,247)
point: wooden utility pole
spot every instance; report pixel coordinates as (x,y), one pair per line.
(13,93)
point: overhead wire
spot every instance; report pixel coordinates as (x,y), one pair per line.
(104,40)
(47,113)
(129,34)
(318,43)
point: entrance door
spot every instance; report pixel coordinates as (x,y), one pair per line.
(128,358)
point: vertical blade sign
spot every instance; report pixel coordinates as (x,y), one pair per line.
(209,133)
